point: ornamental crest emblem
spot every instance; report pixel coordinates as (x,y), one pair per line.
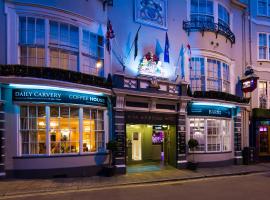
(150,65)
(151,12)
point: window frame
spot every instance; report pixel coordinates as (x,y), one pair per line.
(267,93)
(267,46)
(206,78)
(47,129)
(205,134)
(48,46)
(267,9)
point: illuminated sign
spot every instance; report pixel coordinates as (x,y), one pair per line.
(55,96)
(150,65)
(250,84)
(210,110)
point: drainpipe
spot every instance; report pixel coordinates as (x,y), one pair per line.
(249,18)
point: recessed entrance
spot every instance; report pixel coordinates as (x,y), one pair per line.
(150,147)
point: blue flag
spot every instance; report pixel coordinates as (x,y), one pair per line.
(166,52)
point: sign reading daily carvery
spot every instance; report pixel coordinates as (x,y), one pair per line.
(56,96)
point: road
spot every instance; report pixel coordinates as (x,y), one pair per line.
(246,187)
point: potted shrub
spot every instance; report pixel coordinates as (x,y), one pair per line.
(111,147)
(192,144)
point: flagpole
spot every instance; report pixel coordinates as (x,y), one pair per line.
(133,41)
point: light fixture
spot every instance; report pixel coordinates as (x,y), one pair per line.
(53,124)
(213,104)
(22,86)
(41,123)
(99,64)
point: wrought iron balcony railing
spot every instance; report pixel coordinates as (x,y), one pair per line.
(208,26)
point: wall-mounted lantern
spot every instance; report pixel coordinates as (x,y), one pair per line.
(250,80)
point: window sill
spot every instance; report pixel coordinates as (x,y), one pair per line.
(59,155)
(214,152)
(263,60)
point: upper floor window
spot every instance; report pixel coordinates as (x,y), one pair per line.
(213,75)
(197,74)
(61,44)
(223,16)
(263,46)
(92,51)
(202,10)
(32,41)
(64,46)
(263,94)
(218,75)
(264,7)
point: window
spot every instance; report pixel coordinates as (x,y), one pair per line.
(226,78)
(64,129)
(197,132)
(93,130)
(262,7)
(64,46)
(263,95)
(213,135)
(223,16)
(32,41)
(213,75)
(216,81)
(197,76)
(33,130)
(93,53)
(202,10)
(64,132)
(262,46)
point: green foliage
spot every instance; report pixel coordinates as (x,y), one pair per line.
(193,143)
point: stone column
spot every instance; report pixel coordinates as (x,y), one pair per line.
(119,135)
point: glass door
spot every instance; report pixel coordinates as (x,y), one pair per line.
(264,140)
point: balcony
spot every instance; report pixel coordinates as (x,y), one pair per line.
(54,74)
(208,26)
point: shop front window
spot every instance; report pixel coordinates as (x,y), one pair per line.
(213,135)
(93,130)
(63,130)
(33,130)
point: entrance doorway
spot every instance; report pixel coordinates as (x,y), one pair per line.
(264,140)
(150,147)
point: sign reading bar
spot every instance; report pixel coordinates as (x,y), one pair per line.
(55,96)
(209,110)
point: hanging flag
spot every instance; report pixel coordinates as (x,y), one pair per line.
(109,35)
(136,43)
(166,52)
(189,55)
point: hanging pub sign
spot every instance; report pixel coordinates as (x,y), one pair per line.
(57,96)
(249,81)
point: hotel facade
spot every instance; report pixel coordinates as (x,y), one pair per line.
(171,74)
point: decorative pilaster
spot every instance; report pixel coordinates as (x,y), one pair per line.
(181,142)
(120,134)
(2,141)
(238,140)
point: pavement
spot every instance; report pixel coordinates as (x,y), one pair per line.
(16,187)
